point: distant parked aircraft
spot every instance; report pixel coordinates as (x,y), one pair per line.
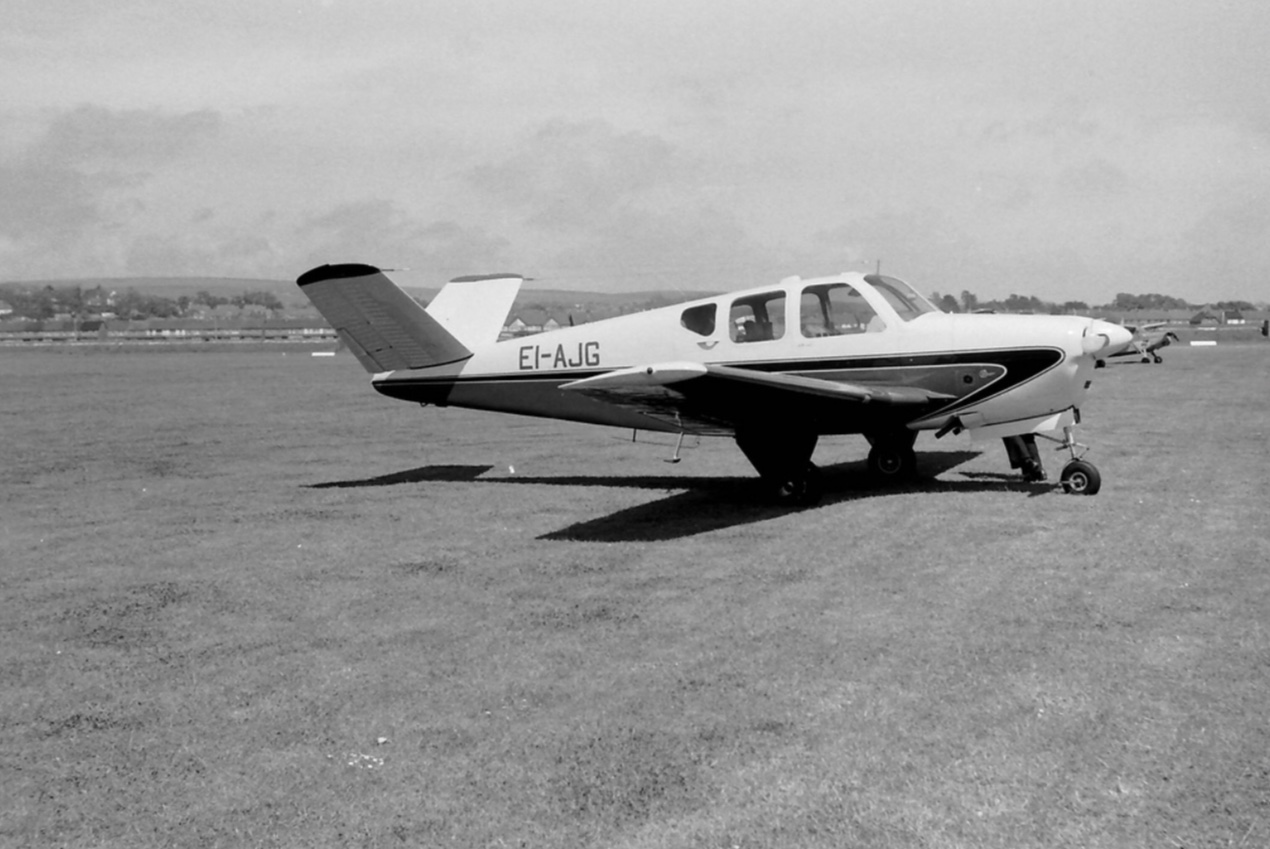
(773,367)
(1146,341)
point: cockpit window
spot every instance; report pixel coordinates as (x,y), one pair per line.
(700,319)
(835,309)
(757,318)
(902,297)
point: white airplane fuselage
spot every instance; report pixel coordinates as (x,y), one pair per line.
(1002,373)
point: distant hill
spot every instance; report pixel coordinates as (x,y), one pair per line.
(551,300)
(170,287)
(155,285)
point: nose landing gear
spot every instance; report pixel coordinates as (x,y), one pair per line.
(1079,477)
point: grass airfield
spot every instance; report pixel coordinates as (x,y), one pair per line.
(249,602)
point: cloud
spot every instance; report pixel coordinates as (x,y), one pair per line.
(981,142)
(591,204)
(568,173)
(381,232)
(94,136)
(1229,245)
(195,253)
(80,178)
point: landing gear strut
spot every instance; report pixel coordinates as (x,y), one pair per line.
(783,461)
(1079,477)
(891,457)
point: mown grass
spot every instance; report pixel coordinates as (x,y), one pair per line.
(247,602)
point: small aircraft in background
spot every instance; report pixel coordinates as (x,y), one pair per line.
(1147,339)
(774,367)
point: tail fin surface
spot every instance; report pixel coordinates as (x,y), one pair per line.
(384,327)
(474,309)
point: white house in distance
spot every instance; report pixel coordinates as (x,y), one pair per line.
(529,321)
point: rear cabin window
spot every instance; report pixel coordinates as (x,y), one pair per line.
(700,319)
(757,318)
(835,309)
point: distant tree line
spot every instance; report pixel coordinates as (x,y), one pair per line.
(46,302)
(42,303)
(969,302)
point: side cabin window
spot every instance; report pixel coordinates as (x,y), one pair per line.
(902,297)
(700,320)
(836,309)
(757,318)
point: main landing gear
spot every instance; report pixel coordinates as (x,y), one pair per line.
(891,455)
(783,462)
(1079,477)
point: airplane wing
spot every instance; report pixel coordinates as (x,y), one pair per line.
(703,398)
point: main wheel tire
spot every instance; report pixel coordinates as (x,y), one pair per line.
(1081,478)
(892,463)
(800,490)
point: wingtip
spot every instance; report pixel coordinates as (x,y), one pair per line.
(479,278)
(335,272)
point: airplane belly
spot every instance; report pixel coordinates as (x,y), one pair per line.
(543,398)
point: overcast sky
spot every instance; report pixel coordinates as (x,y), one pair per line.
(1069,150)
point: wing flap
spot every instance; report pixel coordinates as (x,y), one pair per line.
(703,398)
(864,394)
(654,391)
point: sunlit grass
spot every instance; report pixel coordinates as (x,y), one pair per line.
(249,602)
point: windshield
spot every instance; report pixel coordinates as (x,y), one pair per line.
(902,297)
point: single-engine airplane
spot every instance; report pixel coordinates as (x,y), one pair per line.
(774,367)
(1145,342)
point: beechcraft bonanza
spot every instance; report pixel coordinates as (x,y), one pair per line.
(774,368)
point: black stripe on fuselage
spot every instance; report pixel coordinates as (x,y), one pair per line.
(1021,365)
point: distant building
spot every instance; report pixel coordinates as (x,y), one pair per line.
(532,320)
(1137,318)
(1204,317)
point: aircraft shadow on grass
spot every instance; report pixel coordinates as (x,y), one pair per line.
(444,474)
(701,504)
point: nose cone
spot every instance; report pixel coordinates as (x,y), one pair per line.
(1105,339)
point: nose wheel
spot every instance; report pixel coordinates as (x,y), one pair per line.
(1079,476)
